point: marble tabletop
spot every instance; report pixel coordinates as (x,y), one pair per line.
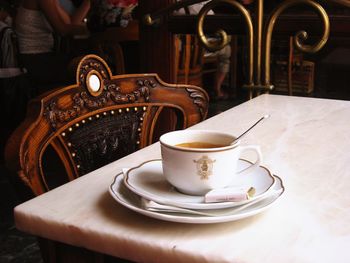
(306,142)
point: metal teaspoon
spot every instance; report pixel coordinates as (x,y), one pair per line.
(251,127)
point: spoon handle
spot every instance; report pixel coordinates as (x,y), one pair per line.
(264,117)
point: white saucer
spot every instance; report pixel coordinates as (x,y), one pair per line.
(147,180)
(133,201)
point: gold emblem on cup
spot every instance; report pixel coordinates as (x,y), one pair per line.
(204,167)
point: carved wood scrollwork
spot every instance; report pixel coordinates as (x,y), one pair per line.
(142,91)
(92,102)
(199,100)
(55,114)
(82,100)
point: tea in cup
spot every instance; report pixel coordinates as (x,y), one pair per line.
(197,161)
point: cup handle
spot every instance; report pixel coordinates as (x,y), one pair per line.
(256,149)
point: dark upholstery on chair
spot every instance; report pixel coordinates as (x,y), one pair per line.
(76,129)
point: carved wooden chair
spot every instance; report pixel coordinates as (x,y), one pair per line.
(76,129)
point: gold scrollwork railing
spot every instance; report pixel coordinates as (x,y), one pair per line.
(300,35)
(224,41)
(259,35)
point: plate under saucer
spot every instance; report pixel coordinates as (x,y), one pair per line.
(129,199)
(147,180)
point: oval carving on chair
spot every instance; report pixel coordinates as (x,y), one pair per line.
(94,83)
(91,64)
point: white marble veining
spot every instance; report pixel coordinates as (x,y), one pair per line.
(306,142)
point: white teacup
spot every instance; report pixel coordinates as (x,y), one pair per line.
(194,168)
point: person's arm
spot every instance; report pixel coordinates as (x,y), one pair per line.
(77,17)
(81,12)
(61,21)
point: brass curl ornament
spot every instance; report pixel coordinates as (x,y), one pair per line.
(211,46)
(214,46)
(300,36)
(220,32)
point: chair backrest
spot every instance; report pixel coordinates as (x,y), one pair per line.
(189,60)
(73,130)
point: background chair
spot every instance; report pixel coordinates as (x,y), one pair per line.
(189,60)
(73,130)
(196,66)
(292,74)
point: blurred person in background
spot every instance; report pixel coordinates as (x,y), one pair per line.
(39,24)
(223,55)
